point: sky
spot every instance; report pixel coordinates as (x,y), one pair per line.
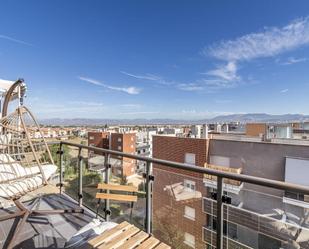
(157,59)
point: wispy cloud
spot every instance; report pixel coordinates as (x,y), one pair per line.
(151,77)
(129,90)
(226,72)
(190,87)
(5,37)
(195,86)
(292,60)
(270,42)
(138,113)
(131,106)
(223,101)
(284,90)
(86,103)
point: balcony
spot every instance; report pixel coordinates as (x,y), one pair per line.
(229,185)
(182,205)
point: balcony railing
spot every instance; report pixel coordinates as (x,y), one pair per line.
(173,196)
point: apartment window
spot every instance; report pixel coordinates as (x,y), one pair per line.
(189,213)
(91,137)
(132,139)
(131,146)
(189,240)
(190,158)
(119,139)
(119,147)
(189,185)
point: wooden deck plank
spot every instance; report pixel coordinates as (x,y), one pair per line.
(134,241)
(116,197)
(109,234)
(119,239)
(117,187)
(163,246)
(150,243)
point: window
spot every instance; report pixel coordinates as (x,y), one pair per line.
(189,240)
(91,138)
(189,213)
(131,146)
(189,185)
(132,139)
(119,147)
(190,158)
(119,139)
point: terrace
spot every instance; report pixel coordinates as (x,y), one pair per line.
(157,207)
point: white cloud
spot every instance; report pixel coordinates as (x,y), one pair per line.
(284,90)
(5,37)
(129,90)
(292,60)
(151,77)
(270,42)
(226,72)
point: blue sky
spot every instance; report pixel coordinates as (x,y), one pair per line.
(157,59)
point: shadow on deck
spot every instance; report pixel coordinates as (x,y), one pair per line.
(49,231)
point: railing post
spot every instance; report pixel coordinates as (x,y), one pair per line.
(80,177)
(106,180)
(219,213)
(61,168)
(149,180)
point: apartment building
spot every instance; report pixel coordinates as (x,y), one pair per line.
(98,139)
(269,131)
(124,142)
(177,197)
(257,217)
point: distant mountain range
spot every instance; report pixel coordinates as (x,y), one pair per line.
(243,118)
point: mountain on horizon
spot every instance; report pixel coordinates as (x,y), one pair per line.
(243,118)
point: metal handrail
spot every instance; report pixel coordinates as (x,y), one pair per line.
(149,179)
(239,177)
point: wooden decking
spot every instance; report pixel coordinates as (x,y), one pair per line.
(125,236)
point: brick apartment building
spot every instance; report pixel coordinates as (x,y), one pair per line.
(124,142)
(98,139)
(259,217)
(177,198)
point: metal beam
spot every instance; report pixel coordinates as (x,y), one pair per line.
(239,177)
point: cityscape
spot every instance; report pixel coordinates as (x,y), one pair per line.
(154,124)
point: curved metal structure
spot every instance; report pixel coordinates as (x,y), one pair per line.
(19,89)
(26,163)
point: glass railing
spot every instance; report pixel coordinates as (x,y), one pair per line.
(187,206)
